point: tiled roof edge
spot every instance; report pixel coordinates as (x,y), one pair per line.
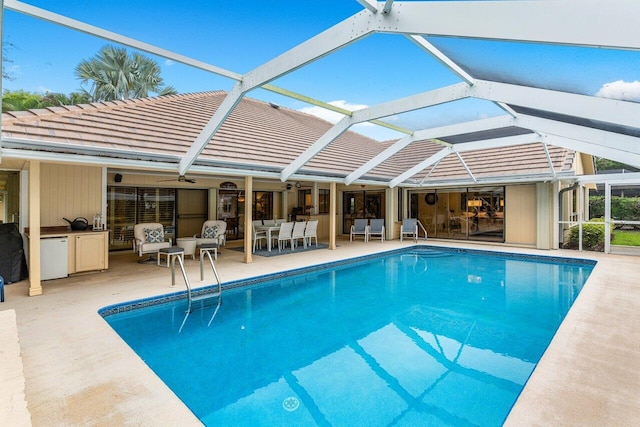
(103,105)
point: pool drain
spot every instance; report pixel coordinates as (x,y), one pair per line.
(290,404)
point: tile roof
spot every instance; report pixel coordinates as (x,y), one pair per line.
(255,135)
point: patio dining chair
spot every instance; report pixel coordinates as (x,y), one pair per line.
(359,228)
(284,235)
(258,236)
(298,233)
(376,228)
(311,232)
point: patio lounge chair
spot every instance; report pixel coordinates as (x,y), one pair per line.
(214,231)
(409,228)
(376,228)
(149,239)
(359,228)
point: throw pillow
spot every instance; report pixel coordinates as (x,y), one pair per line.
(210,232)
(154,235)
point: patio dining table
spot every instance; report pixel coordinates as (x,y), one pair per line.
(269,229)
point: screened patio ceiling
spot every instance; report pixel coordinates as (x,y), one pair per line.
(519,73)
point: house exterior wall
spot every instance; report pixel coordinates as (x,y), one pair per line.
(521,215)
(584,165)
(69,191)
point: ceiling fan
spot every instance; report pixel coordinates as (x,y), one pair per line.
(181,178)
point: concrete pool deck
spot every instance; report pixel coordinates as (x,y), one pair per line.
(77,371)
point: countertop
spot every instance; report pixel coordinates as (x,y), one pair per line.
(61,231)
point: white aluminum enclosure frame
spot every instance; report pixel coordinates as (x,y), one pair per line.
(565,23)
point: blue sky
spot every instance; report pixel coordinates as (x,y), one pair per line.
(242,34)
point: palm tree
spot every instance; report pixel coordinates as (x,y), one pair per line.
(114,74)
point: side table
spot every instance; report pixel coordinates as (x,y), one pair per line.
(188,244)
(171,252)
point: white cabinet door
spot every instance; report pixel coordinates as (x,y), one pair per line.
(90,253)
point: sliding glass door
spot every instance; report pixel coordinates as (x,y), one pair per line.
(128,206)
(461,213)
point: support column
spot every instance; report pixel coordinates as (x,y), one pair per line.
(333,207)
(390,209)
(607,218)
(580,215)
(285,205)
(555,241)
(544,215)
(315,197)
(35,285)
(248,209)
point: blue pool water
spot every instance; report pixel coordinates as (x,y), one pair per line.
(420,337)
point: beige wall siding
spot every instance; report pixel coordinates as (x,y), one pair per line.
(521,215)
(545,215)
(69,191)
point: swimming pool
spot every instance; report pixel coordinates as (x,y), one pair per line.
(415,337)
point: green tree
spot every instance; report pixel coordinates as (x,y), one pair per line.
(19,100)
(114,74)
(79,98)
(606,164)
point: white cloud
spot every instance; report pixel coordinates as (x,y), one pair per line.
(625,91)
(369,129)
(168,62)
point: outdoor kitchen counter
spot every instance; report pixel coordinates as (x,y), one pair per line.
(87,250)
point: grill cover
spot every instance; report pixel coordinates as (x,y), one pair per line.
(13,264)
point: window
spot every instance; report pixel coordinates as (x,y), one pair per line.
(323,203)
(304,201)
(361,204)
(128,206)
(262,205)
